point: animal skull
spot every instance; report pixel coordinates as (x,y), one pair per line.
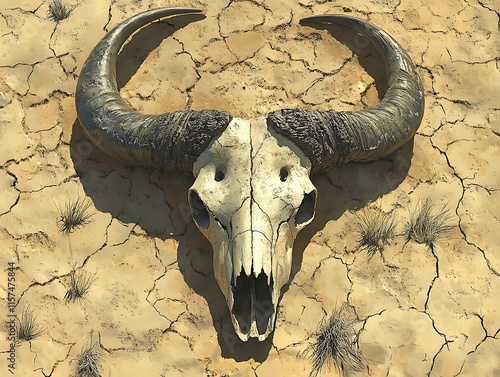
(251,197)
(252,193)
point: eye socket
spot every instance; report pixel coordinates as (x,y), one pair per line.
(198,210)
(306,210)
(283,174)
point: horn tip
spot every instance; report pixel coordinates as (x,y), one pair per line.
(191,10)
(320,18)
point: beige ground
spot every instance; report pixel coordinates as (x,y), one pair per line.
(155,306)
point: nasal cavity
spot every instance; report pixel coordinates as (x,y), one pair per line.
(198,210)
(283,174)
(306,209)
(220,173)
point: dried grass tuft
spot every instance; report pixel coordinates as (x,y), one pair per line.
(376,228)
(75,215)
(428,223)
(28,328)
(336,344)
(89,361)
(79,284)
(59,10)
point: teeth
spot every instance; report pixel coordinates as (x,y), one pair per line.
(247,264)
(242,253)
(258,253)
(243,337)
(253,332)
(237,263)
(262,254)
(267,267)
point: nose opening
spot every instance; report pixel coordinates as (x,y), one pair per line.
(198,210)
(306,209)
(263,304)
(252,301)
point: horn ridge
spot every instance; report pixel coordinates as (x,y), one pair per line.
(170,141)
(330,138)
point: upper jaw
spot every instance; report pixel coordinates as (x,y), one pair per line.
(253,309)
(252,294)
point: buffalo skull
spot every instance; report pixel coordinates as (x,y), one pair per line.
(252,192)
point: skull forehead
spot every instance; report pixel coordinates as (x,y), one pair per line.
(230,151)
(250,161)
(223,171)
(280,172)
(246,140)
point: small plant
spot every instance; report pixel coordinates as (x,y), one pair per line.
(375,229)
(427,223)
(336,344)
(89,361)
(58,10)
(75,215)
(79,284)
(28,328)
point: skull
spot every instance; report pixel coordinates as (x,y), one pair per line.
(251,196)
(252,192)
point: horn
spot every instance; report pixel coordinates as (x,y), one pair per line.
(329,138)
(171,141)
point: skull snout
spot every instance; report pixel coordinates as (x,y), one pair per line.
(252,305)
(252,283)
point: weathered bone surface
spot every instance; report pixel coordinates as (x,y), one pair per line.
(252,193)
(251,197)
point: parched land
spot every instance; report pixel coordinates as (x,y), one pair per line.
(152,306)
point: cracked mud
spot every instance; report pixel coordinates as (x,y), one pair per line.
(155,307)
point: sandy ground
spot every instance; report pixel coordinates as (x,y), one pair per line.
(155,307)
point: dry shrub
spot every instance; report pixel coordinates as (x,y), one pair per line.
(74,215)
(336,344)
(59,10)
(79,284)
(89,361)
(428,223)
(28,328)
(376,228)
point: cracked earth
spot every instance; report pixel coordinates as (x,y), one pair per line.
(155,307)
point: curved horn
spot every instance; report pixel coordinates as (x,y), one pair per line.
(171,141)
(330,138)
